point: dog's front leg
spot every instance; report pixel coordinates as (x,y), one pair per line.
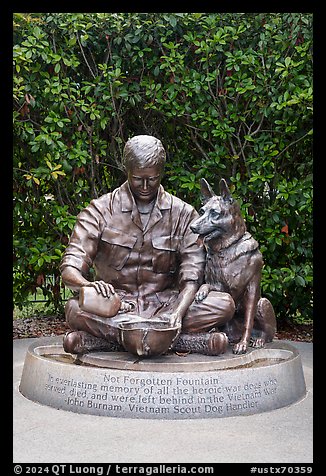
(250,300)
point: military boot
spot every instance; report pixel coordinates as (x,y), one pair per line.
(80,342)
(213,343)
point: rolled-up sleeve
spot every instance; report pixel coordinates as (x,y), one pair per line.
(192,257)
(83,244)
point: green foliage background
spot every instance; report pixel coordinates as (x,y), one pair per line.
(229,95)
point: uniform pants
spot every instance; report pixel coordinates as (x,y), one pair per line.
(216,309)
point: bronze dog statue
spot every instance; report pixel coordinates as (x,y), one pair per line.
(233,265)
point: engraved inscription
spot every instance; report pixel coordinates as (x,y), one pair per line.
(178,396)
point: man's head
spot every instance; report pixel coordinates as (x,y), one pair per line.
(143,152)
(144,159)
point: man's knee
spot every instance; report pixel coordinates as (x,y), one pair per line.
(215,310)
(71,310)
(221,302)
(80,320)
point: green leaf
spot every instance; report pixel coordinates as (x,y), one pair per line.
(299,280)
(287,61)
(40,262)
(33,259)
(173,21)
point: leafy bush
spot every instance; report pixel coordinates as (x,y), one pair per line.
(229,95)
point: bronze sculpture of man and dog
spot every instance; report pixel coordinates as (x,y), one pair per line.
(150,251)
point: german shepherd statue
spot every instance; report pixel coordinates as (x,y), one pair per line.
(233,265)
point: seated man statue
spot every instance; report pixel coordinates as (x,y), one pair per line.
(138,240)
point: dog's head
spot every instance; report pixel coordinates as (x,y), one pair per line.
(220,214)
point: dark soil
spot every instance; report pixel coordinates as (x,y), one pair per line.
(39,326)
(50,326)
(298,332)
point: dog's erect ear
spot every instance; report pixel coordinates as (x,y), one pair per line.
(224,190)
(206,191)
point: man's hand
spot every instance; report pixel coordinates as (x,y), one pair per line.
(127,306)
(175,312)
(103,288)
(107,290)
(171,318)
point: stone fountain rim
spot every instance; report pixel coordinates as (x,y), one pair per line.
(171,362)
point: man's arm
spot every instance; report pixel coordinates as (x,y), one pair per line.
(82,249)
(176,312)
(74,280)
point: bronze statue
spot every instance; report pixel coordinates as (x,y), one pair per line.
(233,265)
(148,267)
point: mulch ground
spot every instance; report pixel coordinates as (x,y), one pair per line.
(39,326)
(50,326)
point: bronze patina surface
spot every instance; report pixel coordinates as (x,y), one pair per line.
(150,251)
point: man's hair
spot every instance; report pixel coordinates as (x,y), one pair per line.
(142,152)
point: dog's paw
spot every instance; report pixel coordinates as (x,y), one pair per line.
(202,293)
(240,348)
(200,296)
(257,342)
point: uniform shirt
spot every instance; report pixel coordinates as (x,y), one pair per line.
(147,265)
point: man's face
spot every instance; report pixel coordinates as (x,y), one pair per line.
(144,183)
